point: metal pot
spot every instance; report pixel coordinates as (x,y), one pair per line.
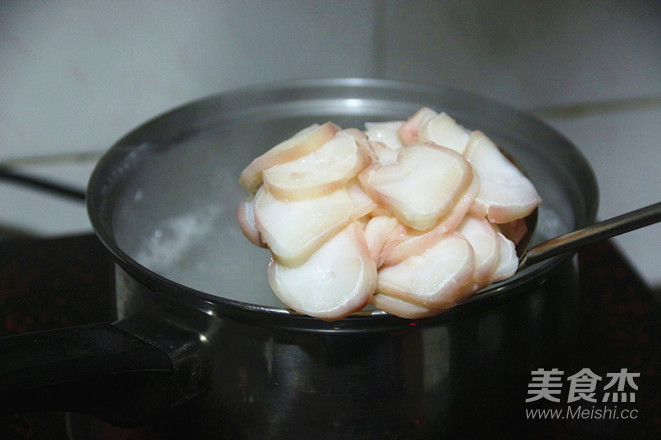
(200,341)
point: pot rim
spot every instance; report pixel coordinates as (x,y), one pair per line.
(267,315)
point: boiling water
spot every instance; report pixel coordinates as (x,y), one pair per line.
(176,217)
(204,251)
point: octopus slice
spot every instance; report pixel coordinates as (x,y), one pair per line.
(320,172)
(294,230)
(337,280)
(505,193)
(422,186)
(401,308)
(406,242)
(435,279)
(483,237)
(408,132)
(245,215)
(508,263)
(378,231)
(443,130)
(301,144)
(385,139)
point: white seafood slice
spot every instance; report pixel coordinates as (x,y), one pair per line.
(382,154)
(408,132)
(505,193)
(422,186)
(406,242)
(319,173)
(362,203)
(401,308)
(508,262)
(337,280)
(301,144)
(443,130)
(377,232)
(294,230)
(435,279)
(514,230)
(245,215)
(483,237)
(386,135)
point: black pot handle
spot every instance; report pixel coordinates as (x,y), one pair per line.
(126,373)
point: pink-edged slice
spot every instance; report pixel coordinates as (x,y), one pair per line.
(443,130)
(508,263)
(320,172)
(337,280)
(386,133)
(422,186)
(483,237)
(245,215)
(406,242)
(506,194)
(294,230)
(435,279)
(401,308)
(408,132)
(378,231)
(301,144)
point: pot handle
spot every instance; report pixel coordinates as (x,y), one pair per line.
(126,373)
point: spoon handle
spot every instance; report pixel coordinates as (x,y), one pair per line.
(605,229)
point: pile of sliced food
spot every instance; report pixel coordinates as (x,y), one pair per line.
(410,216)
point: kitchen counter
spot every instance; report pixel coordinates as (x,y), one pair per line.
(68,281)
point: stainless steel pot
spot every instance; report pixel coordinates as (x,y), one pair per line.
(200,341)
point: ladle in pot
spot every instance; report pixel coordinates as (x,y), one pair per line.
(573,240)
